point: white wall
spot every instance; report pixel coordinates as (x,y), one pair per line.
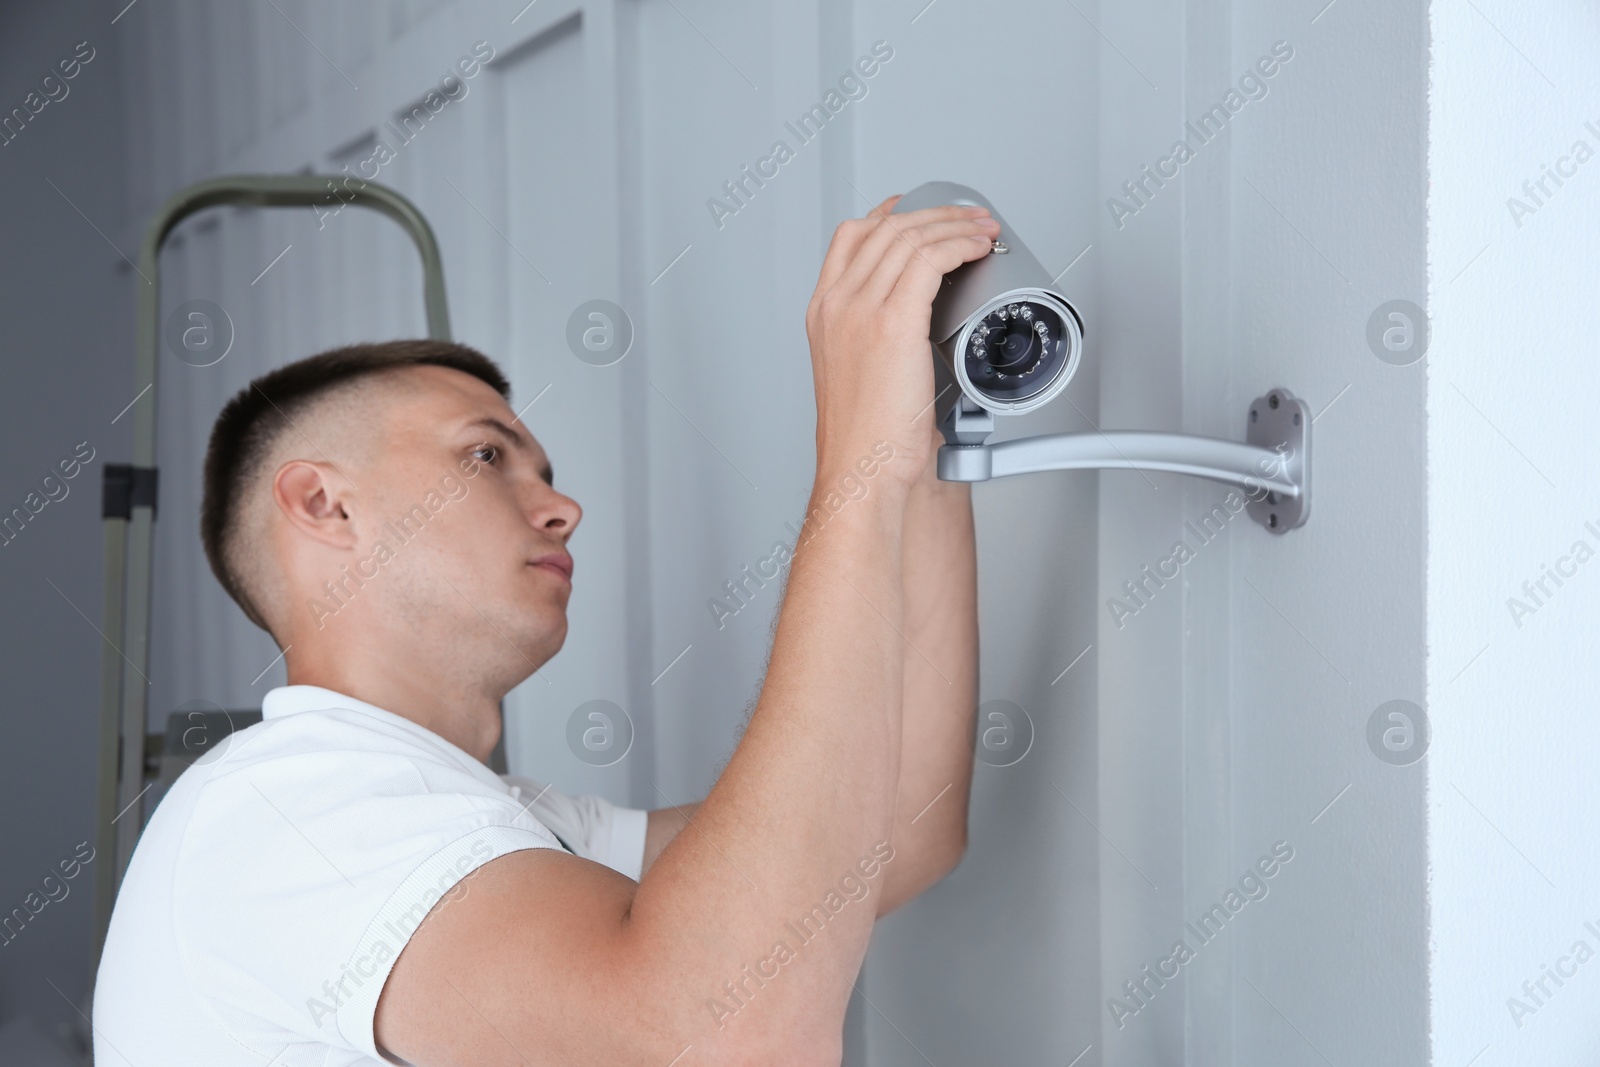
(1328,201)
(1512,388)
(1163,357)
(1233,707)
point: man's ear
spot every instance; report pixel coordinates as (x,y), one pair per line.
(316,499)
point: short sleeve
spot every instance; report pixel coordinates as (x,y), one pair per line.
(591,826)
(307,866)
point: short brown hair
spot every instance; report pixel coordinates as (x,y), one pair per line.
(250,425)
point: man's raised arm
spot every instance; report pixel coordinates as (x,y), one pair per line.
(741,941)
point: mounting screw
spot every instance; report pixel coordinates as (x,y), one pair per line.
(1272,401)
(999,247)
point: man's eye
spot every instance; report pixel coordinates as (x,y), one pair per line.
(494,453)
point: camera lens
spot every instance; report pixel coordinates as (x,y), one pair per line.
(1017,350)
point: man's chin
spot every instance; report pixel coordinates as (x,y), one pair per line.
(543,630)
(526,653)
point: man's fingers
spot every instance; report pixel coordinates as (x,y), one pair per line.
(919,282)
(898,230)
(852,241)
(877,287)
(847,239)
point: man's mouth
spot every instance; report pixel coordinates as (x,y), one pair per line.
(560,562)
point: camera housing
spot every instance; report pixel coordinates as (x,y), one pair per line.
(1001,330)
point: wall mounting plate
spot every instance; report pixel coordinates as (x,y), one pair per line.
(1281,422)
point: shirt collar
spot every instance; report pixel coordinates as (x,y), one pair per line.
(294,699)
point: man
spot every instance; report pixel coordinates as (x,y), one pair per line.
(347,882)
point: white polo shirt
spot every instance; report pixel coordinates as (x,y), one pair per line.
(280,877)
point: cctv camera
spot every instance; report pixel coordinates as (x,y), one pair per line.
(999,327)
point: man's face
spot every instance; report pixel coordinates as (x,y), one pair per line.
(459,491)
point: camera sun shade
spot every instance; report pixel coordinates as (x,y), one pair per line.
(1011,341)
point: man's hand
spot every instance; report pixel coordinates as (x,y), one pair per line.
(868,324)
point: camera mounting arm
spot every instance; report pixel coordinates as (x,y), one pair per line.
(1273,467)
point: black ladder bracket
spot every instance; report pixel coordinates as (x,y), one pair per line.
(124,487)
